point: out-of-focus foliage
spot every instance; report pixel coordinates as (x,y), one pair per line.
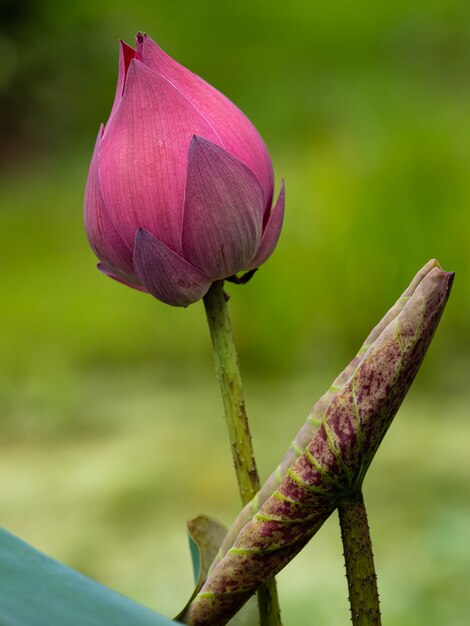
(365,108)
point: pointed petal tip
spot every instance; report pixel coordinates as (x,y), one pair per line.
(200,141)
(141,41)
(200,144)
(272,231)
(125,47)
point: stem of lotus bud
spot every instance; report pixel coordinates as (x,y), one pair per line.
(228,374)
(359,561)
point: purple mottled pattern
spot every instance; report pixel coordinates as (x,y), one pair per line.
(317,412)
(180,187)
(334,462)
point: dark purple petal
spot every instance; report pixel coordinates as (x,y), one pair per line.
(144,154)
(104,239)
(223,211)
(271,232)
(165,274)
(237,134)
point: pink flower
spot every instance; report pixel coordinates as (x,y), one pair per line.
(180,187)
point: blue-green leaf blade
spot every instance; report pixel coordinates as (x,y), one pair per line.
(35,590)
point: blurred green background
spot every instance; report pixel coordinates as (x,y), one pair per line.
(111,425)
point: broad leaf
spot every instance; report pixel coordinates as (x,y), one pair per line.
(35,590)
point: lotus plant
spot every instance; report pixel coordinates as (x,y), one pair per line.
(179,198)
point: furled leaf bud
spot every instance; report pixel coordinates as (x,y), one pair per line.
(335,461)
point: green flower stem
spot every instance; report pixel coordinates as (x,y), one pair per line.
(228,375)
(359,560)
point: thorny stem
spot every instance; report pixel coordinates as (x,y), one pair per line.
(359,561)
(228,375)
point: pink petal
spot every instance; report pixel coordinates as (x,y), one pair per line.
(223,211)
(237,134)
(165,274)
(104,239)
(126,54)
(143,156)
(271,232)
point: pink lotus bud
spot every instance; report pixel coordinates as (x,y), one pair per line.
(180,187)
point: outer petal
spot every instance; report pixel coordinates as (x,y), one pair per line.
(223,211)
(104,270)
(104,239)
(237,134)
(165,274)
(271,232)
(143,156)
(126,54)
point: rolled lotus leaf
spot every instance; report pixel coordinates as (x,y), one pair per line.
(334,462)
(313,420)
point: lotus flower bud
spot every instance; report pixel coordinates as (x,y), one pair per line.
(180,187)
(335,461)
